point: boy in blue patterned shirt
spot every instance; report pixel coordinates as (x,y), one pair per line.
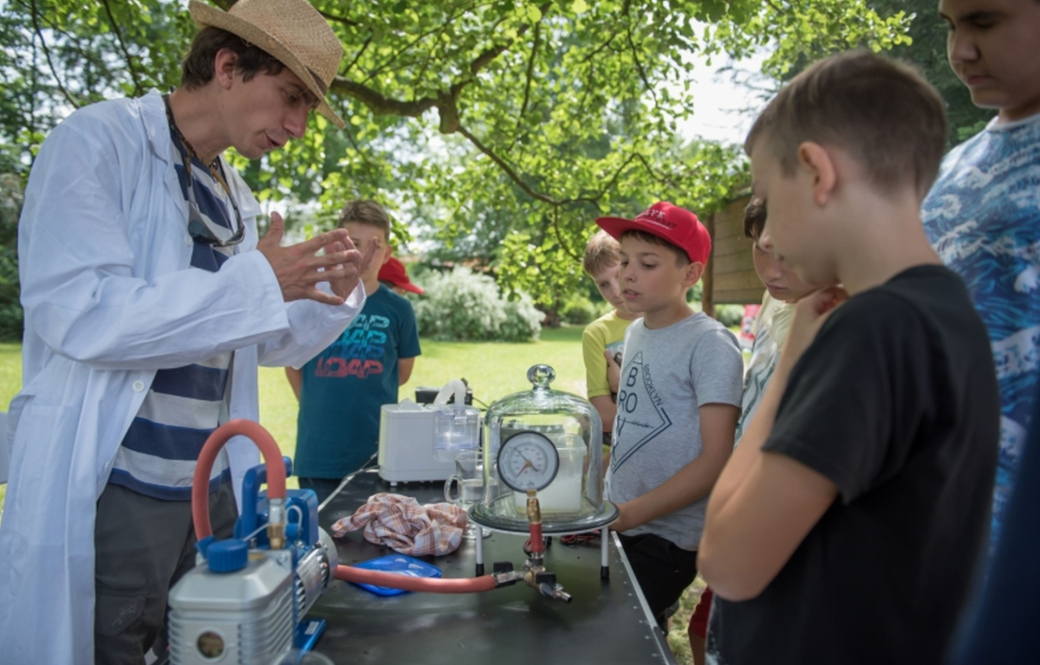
(983,214)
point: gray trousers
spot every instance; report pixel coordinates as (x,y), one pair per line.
(142,547)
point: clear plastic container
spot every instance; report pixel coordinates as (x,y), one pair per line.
(560,428)
(456,429)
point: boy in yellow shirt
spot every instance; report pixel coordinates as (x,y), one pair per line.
(604,338)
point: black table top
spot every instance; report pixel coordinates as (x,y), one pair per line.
(606,622)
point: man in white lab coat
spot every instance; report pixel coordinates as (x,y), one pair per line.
(147,312)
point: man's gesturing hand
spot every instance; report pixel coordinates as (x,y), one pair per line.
(299,268)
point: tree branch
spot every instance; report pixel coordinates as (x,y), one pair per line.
(446,102)
(380,104)
(47,54)
(639,65)
(530,76)
(357,148)
(329,16)
(530,191)
(599,48)
(613,179)
(357,57)
(122,47)
(404,49)
(653,174)
(559,237)
(506,168)
(423,35)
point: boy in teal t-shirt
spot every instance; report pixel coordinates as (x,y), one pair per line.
(342,390)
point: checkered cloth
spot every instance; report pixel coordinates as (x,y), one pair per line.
(404,525)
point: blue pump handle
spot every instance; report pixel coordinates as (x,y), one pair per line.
(254,478)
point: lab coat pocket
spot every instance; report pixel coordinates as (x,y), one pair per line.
(14,412)
(48,455)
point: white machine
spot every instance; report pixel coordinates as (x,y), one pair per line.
(406,444)
(418,442)
(245,601)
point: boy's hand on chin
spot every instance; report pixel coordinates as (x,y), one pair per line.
(810,313)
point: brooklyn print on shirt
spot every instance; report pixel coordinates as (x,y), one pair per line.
(640,410)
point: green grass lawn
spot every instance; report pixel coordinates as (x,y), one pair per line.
(492,369)
(10,384)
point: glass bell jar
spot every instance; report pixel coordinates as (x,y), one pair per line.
(550,442)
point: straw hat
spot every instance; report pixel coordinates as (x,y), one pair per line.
(290,30)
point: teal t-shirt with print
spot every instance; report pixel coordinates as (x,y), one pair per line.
(344,387)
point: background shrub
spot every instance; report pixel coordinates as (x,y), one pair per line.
(578,310)
(523,321)
(729,315)
(11,323)
(464,305)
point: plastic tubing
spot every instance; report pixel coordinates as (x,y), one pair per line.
(200,483)
(456,387)
(537,544)
(409,583)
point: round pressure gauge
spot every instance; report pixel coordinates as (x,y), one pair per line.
(528,461)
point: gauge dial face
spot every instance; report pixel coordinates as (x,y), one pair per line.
(528,460)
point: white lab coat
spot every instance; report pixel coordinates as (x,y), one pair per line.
(109,299)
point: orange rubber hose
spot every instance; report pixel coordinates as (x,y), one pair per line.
(200,483)
(409,583)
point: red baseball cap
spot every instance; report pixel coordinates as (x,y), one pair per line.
(393,271)
(677,225)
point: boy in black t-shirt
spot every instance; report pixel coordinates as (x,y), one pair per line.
(845,526)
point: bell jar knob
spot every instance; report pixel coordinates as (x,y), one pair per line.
(541,376)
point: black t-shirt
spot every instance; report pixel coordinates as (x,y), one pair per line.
(896,402)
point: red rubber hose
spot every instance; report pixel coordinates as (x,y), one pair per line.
(537,544)
(409,583)
(200,484)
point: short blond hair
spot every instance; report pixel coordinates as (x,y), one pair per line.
(602,252)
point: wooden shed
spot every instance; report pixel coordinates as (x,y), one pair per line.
(730,275)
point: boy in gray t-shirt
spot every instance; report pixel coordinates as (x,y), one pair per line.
(678,401)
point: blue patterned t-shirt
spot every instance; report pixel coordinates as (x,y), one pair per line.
(983,218)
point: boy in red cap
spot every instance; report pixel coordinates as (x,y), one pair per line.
(393,275)
(678,401)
